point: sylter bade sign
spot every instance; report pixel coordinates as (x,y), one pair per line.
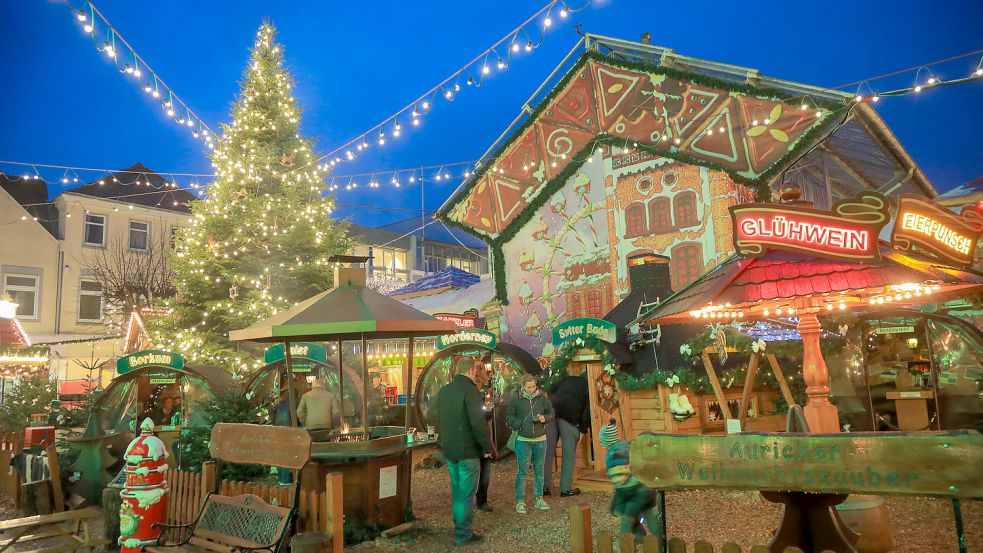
(476,337)
(899,463)
(847,232)
(584,327)
(149,358)
(923,224)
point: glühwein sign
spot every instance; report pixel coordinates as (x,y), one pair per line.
(848,232)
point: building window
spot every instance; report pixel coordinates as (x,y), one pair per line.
(684,208)
(139,236)
(686,263)
(94,233)
(24,291)
(635,220)
(90,301)
(660,219)
(173,237)
(594,307)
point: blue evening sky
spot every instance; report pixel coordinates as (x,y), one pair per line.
(355,63)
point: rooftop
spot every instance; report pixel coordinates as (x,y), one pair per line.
(32,195)
(138,185)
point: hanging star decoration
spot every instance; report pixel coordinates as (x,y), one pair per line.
(288,159)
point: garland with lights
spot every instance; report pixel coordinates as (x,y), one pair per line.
(557,368)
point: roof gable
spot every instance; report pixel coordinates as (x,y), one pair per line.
(32,195)
(747,131)
(138,185)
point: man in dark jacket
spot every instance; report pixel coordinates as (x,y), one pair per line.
(571,401)
(465,439)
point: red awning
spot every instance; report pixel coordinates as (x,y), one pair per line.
(74,387)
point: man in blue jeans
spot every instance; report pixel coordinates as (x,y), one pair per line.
(465,439)
(571,401)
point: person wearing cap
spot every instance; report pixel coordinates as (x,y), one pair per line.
(318,408)
(633,501)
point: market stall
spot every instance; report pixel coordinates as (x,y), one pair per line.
(375,459)
(149,384)
(507,363)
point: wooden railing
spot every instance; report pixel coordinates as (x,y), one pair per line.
(582,540)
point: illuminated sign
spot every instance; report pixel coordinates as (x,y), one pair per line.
(149,358)
(299,353)
(847,232)
(476,337)
(468,319)
(583,328)
(924,225)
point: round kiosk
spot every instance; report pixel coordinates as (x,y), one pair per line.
(508,363)
(309,361)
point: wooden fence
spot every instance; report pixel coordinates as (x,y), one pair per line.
(319,510)
(582,540)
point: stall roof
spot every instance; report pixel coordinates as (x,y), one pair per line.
(345,313)
(448,278)
(456,300)
(779,275)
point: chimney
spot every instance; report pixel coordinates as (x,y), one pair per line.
(349,270)
(648,273)
(646,38)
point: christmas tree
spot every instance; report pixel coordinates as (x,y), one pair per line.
(261,239)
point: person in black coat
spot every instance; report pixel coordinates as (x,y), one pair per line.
(465,440)
(571,402)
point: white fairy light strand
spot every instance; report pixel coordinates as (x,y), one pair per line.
(476,69)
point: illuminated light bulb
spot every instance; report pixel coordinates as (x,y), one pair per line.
(81,15)
(564,12)
(710,132)
(110,51)
(501,63)
(485,70)
(778,311)
(829,307)
(978,72)
(412,178)
(470,80)
(426,105)
(515,46)
(23,217)
(860,98)
(665,137)
(448,94)
(547,22)
(722,129)
(88,28)
(130,206)
(590,160)
(875,98)
(170,112)
(819,113)
(128,68)
(755,122)
(467,174)
(918,88)
(415,113)
(64,180)
(191,123)
(804,107)
(932,80)
(137,72)
(553,164)
(349,154)
(148,88)
(528,46)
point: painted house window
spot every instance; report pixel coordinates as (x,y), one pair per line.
(90,301)
(686,264)
(94,233)
(660,220)
(594,307)
(24,291)
(684,207)
(575,305)
(139,236)
(635,220)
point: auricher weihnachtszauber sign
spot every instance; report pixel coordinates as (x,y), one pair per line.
(898,463)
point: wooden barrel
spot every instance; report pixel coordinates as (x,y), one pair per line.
(867,515)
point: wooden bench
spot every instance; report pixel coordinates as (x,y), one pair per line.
(244,522)
(50,526)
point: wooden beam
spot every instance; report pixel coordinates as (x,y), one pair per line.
(55,470)
(334,512)
(581,537)
(715,384)
(780,377)
(752,371)
(849,169)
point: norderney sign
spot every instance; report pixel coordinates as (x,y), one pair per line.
(476,337)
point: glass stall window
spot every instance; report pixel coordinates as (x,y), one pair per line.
(957,358)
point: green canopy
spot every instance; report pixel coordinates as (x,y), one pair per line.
(347,312)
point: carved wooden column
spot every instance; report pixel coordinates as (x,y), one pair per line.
(821,414)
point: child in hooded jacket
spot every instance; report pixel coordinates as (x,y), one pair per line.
(633,501)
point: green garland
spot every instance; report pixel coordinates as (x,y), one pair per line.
(558,365)
(759,185)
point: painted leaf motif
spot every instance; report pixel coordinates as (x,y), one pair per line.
(757,131)
(486,222)
(481,186)
(776,112)
(615,88)
(779,135)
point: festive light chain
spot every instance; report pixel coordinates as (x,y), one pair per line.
(476,71)
(134,66)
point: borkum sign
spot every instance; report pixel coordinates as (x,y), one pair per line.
(847,232)
(149,358)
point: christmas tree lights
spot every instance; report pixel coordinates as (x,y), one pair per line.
(262,238)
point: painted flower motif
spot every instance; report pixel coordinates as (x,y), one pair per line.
(844,328)
(672,380)
(609,369)
(759,130)
(759,346)
(686,350)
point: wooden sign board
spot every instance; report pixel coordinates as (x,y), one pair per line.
(277,446)
(923,224)
(878,463)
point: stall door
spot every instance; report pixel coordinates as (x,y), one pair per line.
(603,407)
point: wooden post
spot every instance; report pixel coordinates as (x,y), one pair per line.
(780,376)
(408,381)
(334,510)
(652,544)
(715,384)
(752,371)
(208,478)
(341,384)
(365,390)
(55,470)
(605,543)
(581,539)
(291,395)
(627,541)
(820,413)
